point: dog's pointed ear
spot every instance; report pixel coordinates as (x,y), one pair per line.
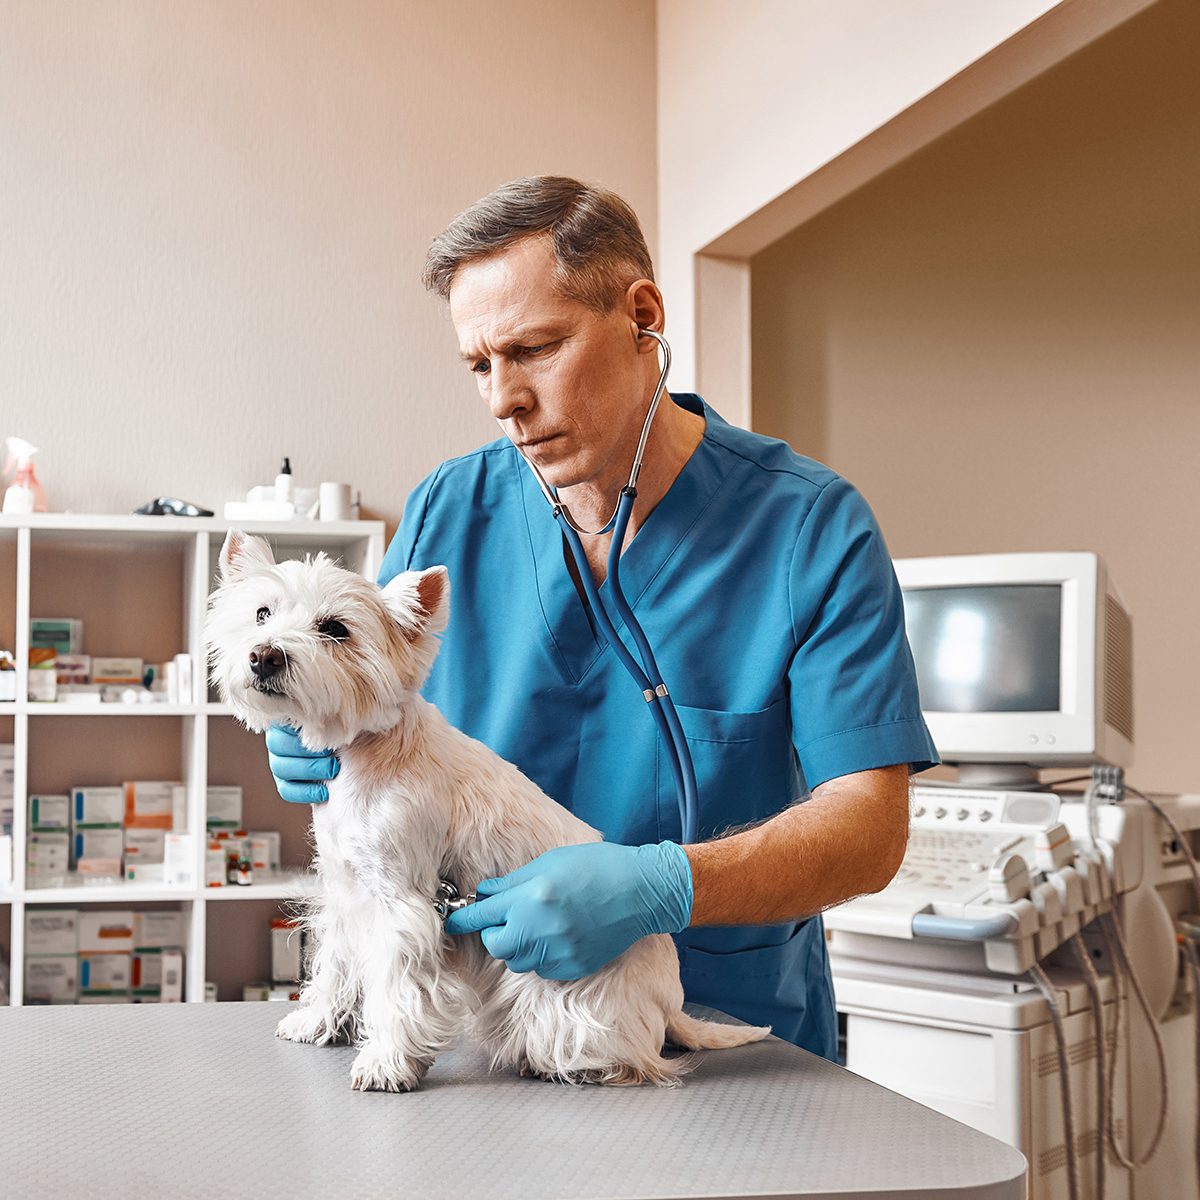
(240,553)
(419,600)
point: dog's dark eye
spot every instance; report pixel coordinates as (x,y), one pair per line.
(262,615)
(332,628)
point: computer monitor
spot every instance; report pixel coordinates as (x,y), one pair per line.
(1021,659)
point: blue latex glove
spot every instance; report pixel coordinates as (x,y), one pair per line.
(574,908)
(299,773)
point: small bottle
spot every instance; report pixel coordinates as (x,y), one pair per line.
(283,482)
(233,857)
(245,871)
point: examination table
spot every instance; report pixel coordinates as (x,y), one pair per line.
(201,1100)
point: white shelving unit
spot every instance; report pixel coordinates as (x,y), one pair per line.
(97,549)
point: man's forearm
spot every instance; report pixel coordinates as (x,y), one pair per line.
(846,840)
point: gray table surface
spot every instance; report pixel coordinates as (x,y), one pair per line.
(201,1100)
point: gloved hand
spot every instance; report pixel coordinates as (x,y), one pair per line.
(299,772)
(575,908)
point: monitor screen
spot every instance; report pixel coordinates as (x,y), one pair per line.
(987,649)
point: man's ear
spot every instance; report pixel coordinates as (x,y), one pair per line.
(420,601)
(240,553)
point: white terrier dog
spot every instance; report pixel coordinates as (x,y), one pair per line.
(417,801)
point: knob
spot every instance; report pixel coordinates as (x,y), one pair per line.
(1008,879)
(939,813)
(963,813)
(919,811)
(986,815)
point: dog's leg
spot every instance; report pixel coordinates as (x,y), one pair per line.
(329,999)
(412,1004)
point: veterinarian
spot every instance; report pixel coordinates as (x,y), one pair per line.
(761,579)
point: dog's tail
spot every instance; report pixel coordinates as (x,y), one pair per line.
(694,1034)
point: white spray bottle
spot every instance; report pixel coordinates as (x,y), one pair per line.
(24,494)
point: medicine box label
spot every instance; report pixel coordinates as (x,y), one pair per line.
(157,930)
(51,931)
(106,931)
(97,805)
(144,845)
(99,843)
(224,805)
(105,972)
(149,804)
(49,812)
(52,979)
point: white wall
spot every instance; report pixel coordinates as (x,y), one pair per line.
(755,99)
(997,342)
(213,215)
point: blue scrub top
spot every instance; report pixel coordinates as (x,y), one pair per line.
(764,585)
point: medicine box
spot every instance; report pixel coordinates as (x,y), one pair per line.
(61,634)
(214,864)
(287,947)
(210,992)
(171,989)
(149,804)
(98,841)
(144,846)
(105,972)
(179,859)
(97,806)
(72,669)
(264,850)
(179,807)
(48,853)
(49,812)
(106,931)
(117,670)
(147,971)
(51,931)
(52,980)
(157,930)
(224,806)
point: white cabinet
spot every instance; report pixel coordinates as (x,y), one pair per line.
(141,585)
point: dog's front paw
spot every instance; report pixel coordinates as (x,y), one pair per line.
(377,1071)
(313,1025)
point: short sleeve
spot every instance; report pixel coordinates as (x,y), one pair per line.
(399,556)
(852,683)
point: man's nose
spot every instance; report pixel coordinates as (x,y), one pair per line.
(509,394)
(266,661)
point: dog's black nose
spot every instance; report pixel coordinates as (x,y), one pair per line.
(266,661)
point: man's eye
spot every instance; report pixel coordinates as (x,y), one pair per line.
(261,616)
(530,350)
(332,628)
(482,367)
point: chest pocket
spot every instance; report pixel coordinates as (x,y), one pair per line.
(746,768)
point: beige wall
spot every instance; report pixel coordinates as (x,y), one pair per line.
(213,215)
(755,99)
(999,342)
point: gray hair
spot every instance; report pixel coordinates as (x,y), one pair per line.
(598,244)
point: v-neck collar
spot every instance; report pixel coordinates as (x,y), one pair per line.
(575,645)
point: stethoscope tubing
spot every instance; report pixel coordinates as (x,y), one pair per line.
(645,673)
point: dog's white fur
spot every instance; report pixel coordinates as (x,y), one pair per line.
(416,801)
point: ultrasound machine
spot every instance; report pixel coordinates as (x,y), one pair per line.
(1031,970)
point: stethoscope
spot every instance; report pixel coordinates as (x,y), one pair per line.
(645,673)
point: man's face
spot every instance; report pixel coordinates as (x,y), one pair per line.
(567,385)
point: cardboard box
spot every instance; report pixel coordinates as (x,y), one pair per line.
(141,872)
(264,849)
(117,670)
(63,635)
(149,804)
(52,979)
(51,931)
(49,812)
(98,841)
(224,806)
(144,846)
(97,806)
(179,859)
(105,972)
(179,821)
(171,988)
(287,950)
(214,864)
(48,853)
(157,930)
(210,992)
(72,669)
(104,931)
